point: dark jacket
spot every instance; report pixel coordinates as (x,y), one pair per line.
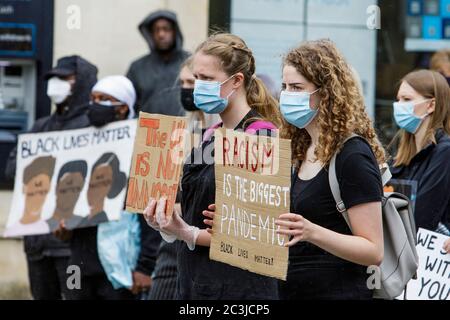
(427,180)
(150,242)
(73,116)
(154,77)
(85,251)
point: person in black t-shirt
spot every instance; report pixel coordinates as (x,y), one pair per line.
(421,167)
(323,105)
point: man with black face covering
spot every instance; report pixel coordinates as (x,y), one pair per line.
(69,87)
(154,75)
(111,99)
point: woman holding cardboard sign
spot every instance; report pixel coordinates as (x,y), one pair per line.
(224,68)
(324,107)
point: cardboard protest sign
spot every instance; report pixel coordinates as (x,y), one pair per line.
(78,176)
(433,275)
(253,180)
(157,159)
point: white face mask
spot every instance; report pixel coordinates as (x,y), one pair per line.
(58,90)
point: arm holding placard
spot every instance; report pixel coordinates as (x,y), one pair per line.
(364,247)
(174,227)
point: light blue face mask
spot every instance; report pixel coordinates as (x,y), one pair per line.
(405,117)
(295,108)
(207,96)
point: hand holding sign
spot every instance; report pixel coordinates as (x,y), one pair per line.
(447,246)
(171,227)
(295,226)
(210,213)
(150,214)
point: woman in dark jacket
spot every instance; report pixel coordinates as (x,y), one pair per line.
(421,167)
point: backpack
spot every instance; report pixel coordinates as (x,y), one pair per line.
(400,261)
(251,129)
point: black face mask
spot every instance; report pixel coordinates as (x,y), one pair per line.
(187,99)
(100,115)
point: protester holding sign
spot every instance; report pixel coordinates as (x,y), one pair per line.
(423,157)
(111,100)
(164,278)
(69,87)
(324,106)
(224,68)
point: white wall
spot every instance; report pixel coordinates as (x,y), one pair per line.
(272,27)
(108,35)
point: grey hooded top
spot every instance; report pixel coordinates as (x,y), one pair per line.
(154,78)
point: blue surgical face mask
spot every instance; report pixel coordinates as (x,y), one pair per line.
(295,108)
(207,96)
(405,117)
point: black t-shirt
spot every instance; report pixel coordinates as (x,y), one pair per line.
(359,181)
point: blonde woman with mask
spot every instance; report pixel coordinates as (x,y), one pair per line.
(422,161)
(226,85)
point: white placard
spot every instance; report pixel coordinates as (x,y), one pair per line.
(78,176)
(433,275)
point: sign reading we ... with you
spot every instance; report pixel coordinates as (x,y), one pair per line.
(157,159)
(433,275)
(253,180)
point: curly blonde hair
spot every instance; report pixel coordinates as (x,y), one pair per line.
(341,109)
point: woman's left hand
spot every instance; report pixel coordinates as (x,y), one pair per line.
(295,226)
(209,214)
(447,246)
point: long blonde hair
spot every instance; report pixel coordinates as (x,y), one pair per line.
(341,109)
(236,57)
(439,60)
(430,85)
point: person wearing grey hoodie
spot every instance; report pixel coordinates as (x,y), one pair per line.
(154,75)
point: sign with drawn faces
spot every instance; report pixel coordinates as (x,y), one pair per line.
(77,178)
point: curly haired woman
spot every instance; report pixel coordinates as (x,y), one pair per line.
(323,105)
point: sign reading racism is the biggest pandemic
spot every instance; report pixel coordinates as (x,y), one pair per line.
(76,176)
(253,180)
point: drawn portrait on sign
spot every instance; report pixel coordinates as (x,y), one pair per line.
(70,183)
(37,177)
(106,182)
